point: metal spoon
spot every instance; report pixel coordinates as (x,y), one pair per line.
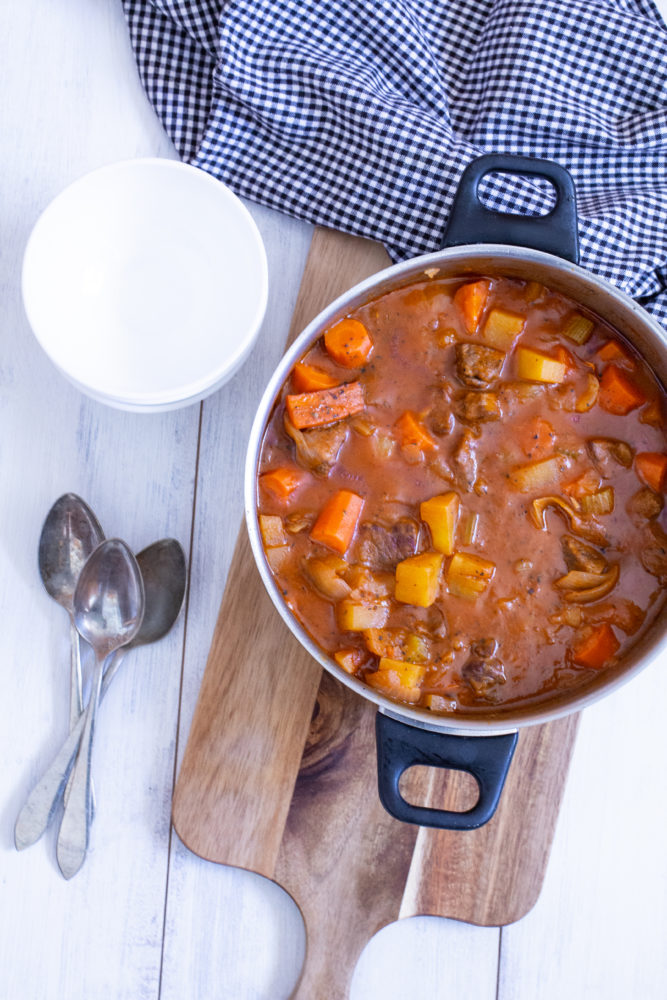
(70,534)
(108,609)
(164,573)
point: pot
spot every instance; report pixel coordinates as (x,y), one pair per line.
(477,241)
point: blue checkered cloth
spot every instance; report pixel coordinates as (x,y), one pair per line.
(362,114)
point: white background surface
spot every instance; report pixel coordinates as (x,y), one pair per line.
(145,918)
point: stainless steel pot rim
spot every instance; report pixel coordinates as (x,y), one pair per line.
(389,278)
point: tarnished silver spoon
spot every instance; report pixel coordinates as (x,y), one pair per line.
(108,609)
(70,534)
(164,573)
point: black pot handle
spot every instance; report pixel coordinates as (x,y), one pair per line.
(471,222)
(400,746)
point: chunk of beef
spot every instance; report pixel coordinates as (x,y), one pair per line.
(464,460)
(483,671)
(645,505)
(478,366)
(654,553)
(580,556)
(318,449)
(381,547)
(476,407)
(441,419)
(607,453)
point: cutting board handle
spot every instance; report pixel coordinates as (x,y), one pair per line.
(486,758)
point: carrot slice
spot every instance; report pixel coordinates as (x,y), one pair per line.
(537,438)
(613,351)
(471,299)
(413,432)
(618,393)
(597,649)
(349,343)
(584,485)
(651,468)
(308,378)
(281,482)
(337,520)
(312,409)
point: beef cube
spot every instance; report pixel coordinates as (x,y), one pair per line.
(477,407)
(579,556)
(381,547)
(478,366)
(607,453)
(645,505)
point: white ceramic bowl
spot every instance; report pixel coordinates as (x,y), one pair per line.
(146,284)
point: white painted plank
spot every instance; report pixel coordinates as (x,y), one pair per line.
(599,928)
(75,105)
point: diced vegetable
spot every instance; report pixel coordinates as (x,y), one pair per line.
(282,482)
(383,445)
(578,328)
(578,579)
(533,291)
(349,659)
(537,438)
(272,530)
(651,468)
(538,475)
(388,681)
(601,502)
(588,482)
(441,513)
(397,643)
(337,521)
(307,378)
(277,557)
(313,409)
(349,343)
(409,674)
(618,393)
(597,649)
(502,328)
(470,526)
(589,396)
(534,366)
(469,575)
(471,300)
(612,350)
(324,573)
(413,433)
(353,616)
(418,579)
(565,357)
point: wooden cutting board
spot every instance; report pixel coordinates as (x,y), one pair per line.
(279,773)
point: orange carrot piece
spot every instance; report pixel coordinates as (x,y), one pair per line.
(312,409)
(584,485)
(471,299)
(413,432)
(651,468)
(618,393)
(337,520)
(565,357)
(613,351)
(597,649)
(308,378)
(537,438)
(349,343)
(281,482)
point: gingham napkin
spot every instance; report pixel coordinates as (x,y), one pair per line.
(362,114)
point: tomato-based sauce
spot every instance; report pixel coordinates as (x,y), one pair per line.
(461,494)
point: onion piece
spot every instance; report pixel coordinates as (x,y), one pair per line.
(607,582)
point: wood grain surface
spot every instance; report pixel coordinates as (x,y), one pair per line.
(249,794)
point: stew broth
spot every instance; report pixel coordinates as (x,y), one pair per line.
(461,494)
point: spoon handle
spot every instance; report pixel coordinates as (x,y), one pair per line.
(75,676)
(40,805)
(75,826)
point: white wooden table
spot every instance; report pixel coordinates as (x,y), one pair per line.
(145,918)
